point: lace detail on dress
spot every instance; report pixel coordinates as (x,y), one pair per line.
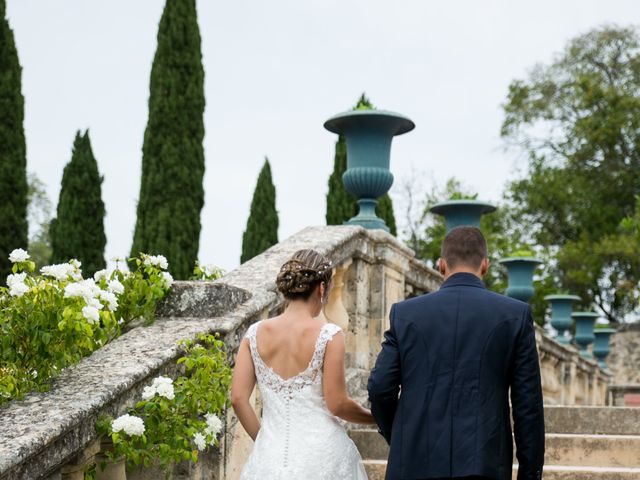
(299,438)
(290,386)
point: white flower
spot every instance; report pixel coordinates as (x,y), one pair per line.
(121,321)
(75,263)
(130,424)
(148,392)
(101,275)
(214,425)
(18,256)
(60,272)
(92,314)
(167,279)
(156,261)
(115,286)
(16,278)
(199,440)
(95,303)
(163,386)
(110,298)
(86,289)
(18,289)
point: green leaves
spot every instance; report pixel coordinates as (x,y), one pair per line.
(578,120)
(262,224)
(44,330)
(170,425)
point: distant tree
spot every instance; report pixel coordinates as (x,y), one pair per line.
(78,229)
(262,225)
(578,121)
(341,205)
(171,190)
(13,158)
(39,221)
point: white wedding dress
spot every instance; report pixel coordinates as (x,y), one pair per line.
(299,438)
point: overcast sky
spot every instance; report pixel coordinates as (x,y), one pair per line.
(275,71)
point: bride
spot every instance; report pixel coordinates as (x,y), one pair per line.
(298,362)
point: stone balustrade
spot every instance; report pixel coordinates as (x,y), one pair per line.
(51,435)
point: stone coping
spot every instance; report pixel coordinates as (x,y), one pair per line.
(46,430)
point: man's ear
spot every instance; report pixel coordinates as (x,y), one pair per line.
(442,266)
(484,267)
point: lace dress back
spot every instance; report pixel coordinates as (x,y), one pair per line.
(299,438)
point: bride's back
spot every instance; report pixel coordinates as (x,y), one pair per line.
(287,344)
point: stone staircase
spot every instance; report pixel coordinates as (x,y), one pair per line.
(582,443)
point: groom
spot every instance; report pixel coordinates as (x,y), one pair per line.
(440,388)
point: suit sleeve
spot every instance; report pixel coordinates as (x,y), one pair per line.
(526,401)
(384,382)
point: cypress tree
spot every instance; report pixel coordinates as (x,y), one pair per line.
(171,190)
(341,205)
(262,225)
(13,156)
(78,229)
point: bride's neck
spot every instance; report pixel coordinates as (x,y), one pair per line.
(299,308)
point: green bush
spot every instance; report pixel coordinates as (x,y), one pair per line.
(52,320)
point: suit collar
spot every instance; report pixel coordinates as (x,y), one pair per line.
(463,278)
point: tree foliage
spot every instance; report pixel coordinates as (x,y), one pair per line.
(341,205)
(578,121)
(262,224)
(78,229)
(171,190)
(39,214)
(13,159)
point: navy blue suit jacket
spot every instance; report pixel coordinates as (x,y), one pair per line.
(440,387)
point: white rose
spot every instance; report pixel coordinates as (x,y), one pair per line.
(199,440)
(16,278)
(148,392)
(214,425)
(130,424)
(110,298)
(115,286)
(92,314)
(18,289)
(18,256)
(166,390)
(60,272)
(101,275)
(167,279)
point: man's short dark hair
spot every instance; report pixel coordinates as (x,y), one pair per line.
(464,246)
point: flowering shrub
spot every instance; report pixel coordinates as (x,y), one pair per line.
(206,272)
(175,419)
(52,320)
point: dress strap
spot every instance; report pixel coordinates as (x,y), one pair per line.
(326,334)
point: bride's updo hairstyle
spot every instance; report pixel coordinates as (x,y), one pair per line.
(302,273)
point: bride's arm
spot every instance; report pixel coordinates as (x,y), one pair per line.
(335,388)
(244,380)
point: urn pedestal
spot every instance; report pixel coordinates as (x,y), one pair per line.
(584,335)
(368,134)
(561,306)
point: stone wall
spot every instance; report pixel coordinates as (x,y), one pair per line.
(47,434)
(624,359)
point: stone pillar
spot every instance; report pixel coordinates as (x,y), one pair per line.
(74,470)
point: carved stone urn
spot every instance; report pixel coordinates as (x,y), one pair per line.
(584,336)
(368,134)
(520,273)
(601,345)
(561,306)
(462,212)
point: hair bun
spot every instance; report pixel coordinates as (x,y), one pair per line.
(294,277)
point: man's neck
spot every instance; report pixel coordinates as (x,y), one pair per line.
(462,270)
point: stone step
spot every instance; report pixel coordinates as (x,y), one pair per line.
(376,470)
(561,449)
(592,420)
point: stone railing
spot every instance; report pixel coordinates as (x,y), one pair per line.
(52,435)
